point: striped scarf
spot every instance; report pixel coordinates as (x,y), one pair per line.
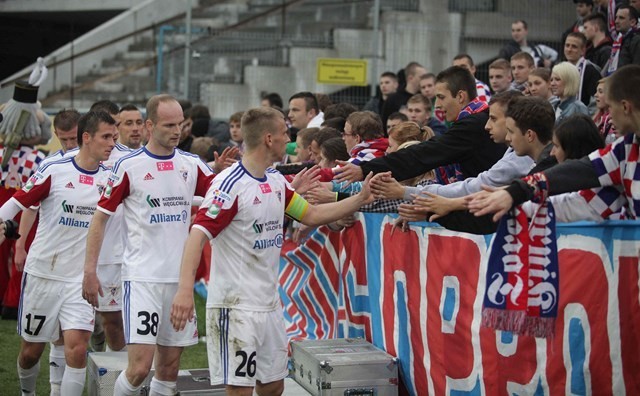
(474,107)
(368,150)
(523,275)
(616,165)
(614,58)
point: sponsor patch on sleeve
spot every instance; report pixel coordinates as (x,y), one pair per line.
(221,197)
(32,181)
(213,210)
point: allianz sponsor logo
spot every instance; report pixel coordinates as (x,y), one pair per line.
(71,222)
(268,243)
(158,218)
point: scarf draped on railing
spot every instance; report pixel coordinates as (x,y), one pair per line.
(523,277)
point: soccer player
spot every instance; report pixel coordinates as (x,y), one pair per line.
(242,214)
(131,126)
(67,190)
(156,185)
(109,309)
(65,127)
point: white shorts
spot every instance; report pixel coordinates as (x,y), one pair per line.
(245,346)
(147,311)
(110,276)
(46,305)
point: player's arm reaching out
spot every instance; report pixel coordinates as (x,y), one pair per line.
(313,215)
(297,208)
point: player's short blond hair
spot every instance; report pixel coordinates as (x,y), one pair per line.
(255,122)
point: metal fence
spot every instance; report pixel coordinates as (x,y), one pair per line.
(220,57)
(238,52)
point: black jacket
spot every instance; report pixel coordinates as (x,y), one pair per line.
(600,54)
(590,82)
(464,221)
(466,143)
(630,50)
(394,103)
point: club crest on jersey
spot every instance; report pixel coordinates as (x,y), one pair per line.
(164,166)
(214,210)
(265,188)
(85,179)
(184,173)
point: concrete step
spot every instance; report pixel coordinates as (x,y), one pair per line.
(125,61)
(132,57)
(142,43)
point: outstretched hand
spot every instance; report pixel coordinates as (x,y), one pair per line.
(366,193)
(319,195)
(226,159)
(436,204)
(306,179)
(384,186)
(348,172)
(490,200)
(410,212)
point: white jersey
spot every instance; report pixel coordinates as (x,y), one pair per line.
(244,217)
(68,196)
(113,243)
(157,192)
(119,151)
(58,155)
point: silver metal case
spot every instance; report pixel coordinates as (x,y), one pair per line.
(104,368)
(344,366)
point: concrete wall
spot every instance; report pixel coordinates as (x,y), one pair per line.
(431,38)
(145,14)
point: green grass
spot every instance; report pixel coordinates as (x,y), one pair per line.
(192,357)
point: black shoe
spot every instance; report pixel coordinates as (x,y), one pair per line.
(9,313)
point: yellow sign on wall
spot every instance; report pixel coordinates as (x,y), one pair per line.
(342,71)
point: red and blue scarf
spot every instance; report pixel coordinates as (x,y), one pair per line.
(474,107)
(523,277)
